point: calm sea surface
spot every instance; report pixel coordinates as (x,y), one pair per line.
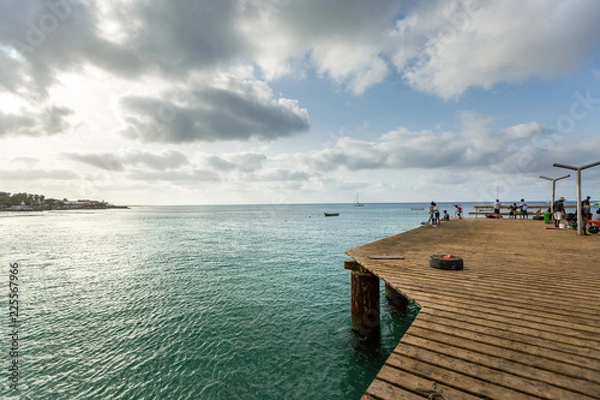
(193,302)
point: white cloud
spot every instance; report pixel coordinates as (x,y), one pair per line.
(462,44)
(30,175)
(475,145)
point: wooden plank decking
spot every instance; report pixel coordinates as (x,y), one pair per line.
(521,321)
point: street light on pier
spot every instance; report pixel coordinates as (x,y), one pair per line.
(554,188)
(578,174)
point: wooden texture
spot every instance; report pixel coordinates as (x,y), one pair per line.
(365,303)
(520,321)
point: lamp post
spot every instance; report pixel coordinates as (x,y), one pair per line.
(554,188)
(578,174)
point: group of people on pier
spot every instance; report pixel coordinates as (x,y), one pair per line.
(434,213)
(561,216)
(512,210)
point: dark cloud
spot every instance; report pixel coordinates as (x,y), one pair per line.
(53,36)
(49,121)
(191,35)
(54,119)
(210,115)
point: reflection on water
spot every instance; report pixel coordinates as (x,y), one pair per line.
(197,302)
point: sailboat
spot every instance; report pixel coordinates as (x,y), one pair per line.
(357,203)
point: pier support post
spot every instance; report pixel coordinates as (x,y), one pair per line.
(395,298)
(364,300)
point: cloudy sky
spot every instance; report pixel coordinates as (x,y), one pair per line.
(298,101)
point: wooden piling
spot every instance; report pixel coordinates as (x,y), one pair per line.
(364,300)
(395,298)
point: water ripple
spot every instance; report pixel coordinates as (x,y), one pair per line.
(199,302)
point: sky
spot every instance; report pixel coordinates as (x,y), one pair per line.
(299,101)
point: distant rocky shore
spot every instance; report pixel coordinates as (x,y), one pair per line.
(35,202)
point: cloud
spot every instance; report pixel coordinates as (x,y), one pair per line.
(243,162)
(476,145)
(190,36)
(37,174)
(237,111)
(279,175)
(54,119)
(193,176)
(169,159)
(106,161)
(49,121)
(166,160)
(52,36)
(345,40)
(11,124)
(25,160)
(455,45)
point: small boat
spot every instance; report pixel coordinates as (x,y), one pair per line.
(332,214)
(417,208)
(357,203)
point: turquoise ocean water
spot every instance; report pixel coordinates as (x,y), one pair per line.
(193,302)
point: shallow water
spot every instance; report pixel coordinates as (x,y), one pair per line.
(198,302)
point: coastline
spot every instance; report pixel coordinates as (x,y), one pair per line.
(40,209)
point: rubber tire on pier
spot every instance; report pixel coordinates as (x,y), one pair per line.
(453,263)
(593,229)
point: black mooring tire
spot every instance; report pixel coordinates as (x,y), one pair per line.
(593,229)
(439,262)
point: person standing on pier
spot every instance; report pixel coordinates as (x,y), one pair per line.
(524,209)
(431,213)
(436,211)
(586,207)
(585,214)
(458,211)
(497,207)
(559,211)
(512,211)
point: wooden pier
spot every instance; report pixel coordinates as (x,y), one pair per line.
(520,321)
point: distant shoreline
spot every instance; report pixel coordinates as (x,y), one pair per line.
(61,208)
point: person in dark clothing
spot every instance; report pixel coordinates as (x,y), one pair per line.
(559,211)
